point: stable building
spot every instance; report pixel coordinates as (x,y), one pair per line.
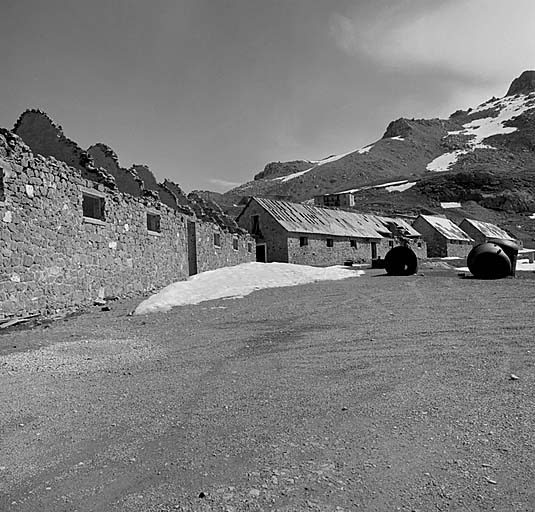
(484,231)
(308,235)
(443,237)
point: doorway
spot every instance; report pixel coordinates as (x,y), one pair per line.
(374,250)
(192,248)
(261,253)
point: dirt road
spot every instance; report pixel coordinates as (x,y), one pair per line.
(374,393)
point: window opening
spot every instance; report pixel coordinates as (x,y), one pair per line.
(93,206)
(153,222)
(303,240)
(249,247)
(353,244)
(217,239)
(330,242)
(2,194)
(235,244)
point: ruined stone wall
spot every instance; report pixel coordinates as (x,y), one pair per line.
(53,258)
(47,138)
(125,179)
(232,249)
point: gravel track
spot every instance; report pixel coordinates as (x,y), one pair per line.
(375,393)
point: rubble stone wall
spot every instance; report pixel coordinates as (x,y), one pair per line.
(211,256)
(53,258)
(316,252)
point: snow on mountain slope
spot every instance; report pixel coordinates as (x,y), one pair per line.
(479,129)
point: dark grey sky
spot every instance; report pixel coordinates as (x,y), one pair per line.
(206,92)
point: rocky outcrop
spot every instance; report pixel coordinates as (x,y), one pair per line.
(524,84)
(276,169)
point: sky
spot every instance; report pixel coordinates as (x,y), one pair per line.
(207,92)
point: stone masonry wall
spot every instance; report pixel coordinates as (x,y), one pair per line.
(318,253)
(52,257)
(210,256)
(271,232)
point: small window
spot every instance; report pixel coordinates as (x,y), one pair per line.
(2,195)
(93,206)
(330,242)
(217,239)
(249,247)
(153,222)
(235,244)
(353,244)
(303,240)
(255,224)
(390,244)
(419,245)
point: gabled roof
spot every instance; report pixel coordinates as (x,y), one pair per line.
(488,230)
(447,228)
(303,218)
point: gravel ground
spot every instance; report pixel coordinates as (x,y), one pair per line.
(375,393)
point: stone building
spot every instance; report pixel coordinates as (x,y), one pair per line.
(303,234)
(69,234)
(483,231)
(443,237)
(338,200)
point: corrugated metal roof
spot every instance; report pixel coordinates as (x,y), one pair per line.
(489,230)
(447,228)
(303,218)
(402,225)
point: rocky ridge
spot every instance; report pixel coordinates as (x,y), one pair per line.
(484,156)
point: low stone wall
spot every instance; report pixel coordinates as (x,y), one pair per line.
(52,257)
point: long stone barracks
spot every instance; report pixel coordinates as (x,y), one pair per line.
(76,227)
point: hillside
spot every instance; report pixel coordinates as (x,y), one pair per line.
(483,156)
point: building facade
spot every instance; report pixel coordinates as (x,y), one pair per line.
(443,237)
(303,234)
(484,231)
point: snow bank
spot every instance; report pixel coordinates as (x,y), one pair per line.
(238,281)
(480,129)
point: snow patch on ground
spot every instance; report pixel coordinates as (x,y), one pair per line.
(443,162)
(238,281)
(450,205)
(400,188)
(532,216)
(365,149)
(317,163)
(480,129)
(397,137)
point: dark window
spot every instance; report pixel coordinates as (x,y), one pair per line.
(93,206)
(353,243)
(303,240)
(153,222)
(217,239)
(2,195)
(390,243)
(235,244)
(255,224)
(249,247)
(420,244)
(330,242)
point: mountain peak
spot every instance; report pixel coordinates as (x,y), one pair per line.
(524,84)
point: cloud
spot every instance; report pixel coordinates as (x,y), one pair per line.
(488,38)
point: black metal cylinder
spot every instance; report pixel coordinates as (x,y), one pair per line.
(488,261)
(401,261)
